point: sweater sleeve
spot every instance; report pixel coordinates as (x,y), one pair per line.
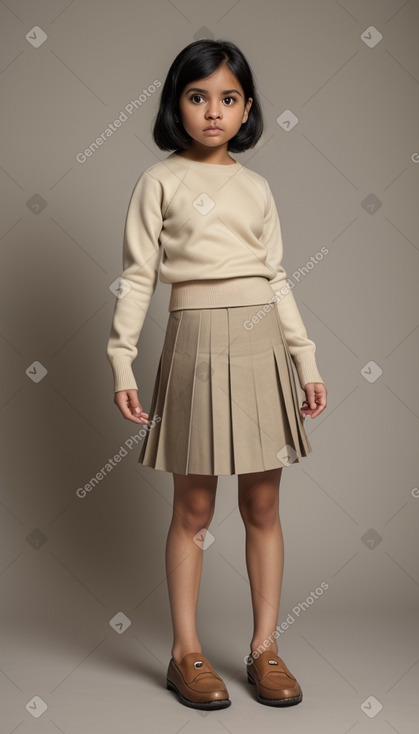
(302,349)
(141,253)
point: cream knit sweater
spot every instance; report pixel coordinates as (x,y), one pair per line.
(193,221)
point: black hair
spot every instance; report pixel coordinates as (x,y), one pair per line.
(197,60)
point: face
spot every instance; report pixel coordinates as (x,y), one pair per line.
(215,100)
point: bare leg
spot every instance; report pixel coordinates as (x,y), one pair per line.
(259,509)
(193,509)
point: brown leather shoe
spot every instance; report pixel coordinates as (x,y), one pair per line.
(275,684)
(196,683)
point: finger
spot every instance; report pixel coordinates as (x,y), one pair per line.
(127,404)
(321,404)
(136,408)
(129,415)
(138,412)
(310,394)
(304,409)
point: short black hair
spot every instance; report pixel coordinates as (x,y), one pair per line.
(196,61)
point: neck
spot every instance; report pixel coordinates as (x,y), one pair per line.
(217,157)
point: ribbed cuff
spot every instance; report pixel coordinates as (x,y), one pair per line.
(123,375)
(307,369)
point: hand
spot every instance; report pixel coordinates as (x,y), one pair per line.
(316,402)
(130,407)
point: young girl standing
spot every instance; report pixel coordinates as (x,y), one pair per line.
(226,398)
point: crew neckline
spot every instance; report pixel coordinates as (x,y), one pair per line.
(221,167)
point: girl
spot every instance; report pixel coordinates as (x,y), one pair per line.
(225,399)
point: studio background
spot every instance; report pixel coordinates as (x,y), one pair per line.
(86,630)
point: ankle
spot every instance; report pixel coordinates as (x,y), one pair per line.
(179,652)
(260,646)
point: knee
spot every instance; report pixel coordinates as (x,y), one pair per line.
(259,512)
(195,514)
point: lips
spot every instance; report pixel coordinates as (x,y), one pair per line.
(213,127)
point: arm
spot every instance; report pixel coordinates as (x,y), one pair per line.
(141,252)
(302,349)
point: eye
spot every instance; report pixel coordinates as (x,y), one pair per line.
(193,97)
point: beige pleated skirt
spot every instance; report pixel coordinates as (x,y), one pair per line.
(226,397)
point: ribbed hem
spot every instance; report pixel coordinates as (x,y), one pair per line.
(220,292)
(307,369)
(123,375)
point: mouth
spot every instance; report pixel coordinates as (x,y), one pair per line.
(212,127)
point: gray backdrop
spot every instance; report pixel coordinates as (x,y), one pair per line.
(85,612)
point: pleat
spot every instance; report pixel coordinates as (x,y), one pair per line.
(177,408)
(247,434)
(200,437)
(166,445)
(225,395)
(222,430)
(149,441)
(273,418)
(302,444)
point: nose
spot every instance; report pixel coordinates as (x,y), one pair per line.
(213,111)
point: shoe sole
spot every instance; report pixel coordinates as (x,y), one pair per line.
(291,701)
(221,703)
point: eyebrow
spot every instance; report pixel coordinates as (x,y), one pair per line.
(197,89)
